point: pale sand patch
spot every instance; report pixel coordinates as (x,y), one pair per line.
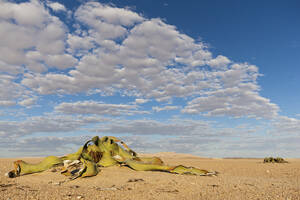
(238,179)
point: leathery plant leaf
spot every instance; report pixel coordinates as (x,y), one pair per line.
(97,153)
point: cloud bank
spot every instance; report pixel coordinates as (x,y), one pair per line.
(117,50)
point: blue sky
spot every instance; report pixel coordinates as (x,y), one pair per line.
(210,78)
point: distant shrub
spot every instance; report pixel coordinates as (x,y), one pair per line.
(274,160)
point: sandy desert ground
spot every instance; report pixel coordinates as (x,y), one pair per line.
(238,179)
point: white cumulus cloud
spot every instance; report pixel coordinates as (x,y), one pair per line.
(56,6)
(158,109)
(100,108)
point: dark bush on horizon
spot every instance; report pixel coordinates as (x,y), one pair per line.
(274,160)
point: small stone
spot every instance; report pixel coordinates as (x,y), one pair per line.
(107,189)
(268,171)
(135,180)
(57,183)
(10,174)
(213,185)
(74,186)
(53,170)
(79,197)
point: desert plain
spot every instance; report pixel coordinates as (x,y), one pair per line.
(237,179)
